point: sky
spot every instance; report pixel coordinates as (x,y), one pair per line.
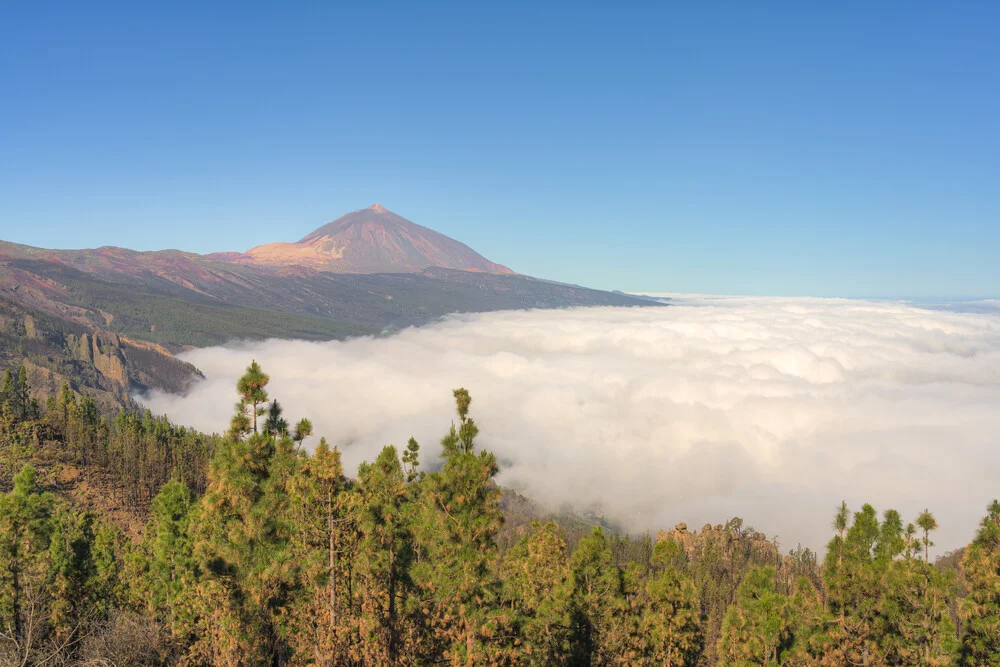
(825,149)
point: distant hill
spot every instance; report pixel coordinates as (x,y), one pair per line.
(366,273)
(370,240)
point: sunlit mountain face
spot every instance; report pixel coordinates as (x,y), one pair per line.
(371,240)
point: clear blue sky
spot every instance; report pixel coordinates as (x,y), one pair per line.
(768,148)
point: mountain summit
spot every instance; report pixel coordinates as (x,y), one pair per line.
(371,240)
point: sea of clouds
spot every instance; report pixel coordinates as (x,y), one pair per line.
(771,409)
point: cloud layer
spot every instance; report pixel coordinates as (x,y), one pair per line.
(770,409)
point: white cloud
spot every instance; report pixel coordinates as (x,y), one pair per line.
(770,409)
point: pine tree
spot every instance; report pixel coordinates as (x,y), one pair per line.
(598,601)
(411,460)
(461,440)
(302,431)
(925,596)
(58,581)
(383,557)
(240,424)
(320,620)
(835,571)
(16,395)
(536,583)
(916,626)
(891,541)
(18,437)
(6,387)
(71,569)
(171,570)
(757,627)
(855,585)
(913,622)
(910,541)
(460,518)
(241,541)
(981,609)
(252,393)
(927,523)
(26,527)
(670,624)
(892,608)
(110,585)
(840,523)
(810,625)
(276,425)
(22,396)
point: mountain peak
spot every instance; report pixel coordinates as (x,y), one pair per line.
(372,240)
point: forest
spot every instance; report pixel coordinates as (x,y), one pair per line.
(255,548)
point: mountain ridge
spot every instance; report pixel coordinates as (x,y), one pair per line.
(178,300)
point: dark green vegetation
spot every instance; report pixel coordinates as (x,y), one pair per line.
(257,552)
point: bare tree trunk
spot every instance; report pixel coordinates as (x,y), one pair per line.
(469,643)
(392,607)
(16,594)
(332,565)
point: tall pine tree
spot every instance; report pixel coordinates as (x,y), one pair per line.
(460,517)
(981,609)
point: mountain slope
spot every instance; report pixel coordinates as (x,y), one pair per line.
(370,240)
(180,307)
(118,314)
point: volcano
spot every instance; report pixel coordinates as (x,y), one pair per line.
(370,240)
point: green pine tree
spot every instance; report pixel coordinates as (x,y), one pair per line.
(411,460)
(460,517)
(26,528)
(915,622)
(536,583)
(23,408)
(321,622)
(303,429)
(253,394)
(6,387)
(670,623)
(981,609)
(757,627)
(927,523)
(854,585)
(276,425)
(241,540)
(599,603)
(384,555)
(171,570)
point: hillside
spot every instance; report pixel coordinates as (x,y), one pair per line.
(366,272)
(177,308)
(100,363)
(138,540)
(114,316)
